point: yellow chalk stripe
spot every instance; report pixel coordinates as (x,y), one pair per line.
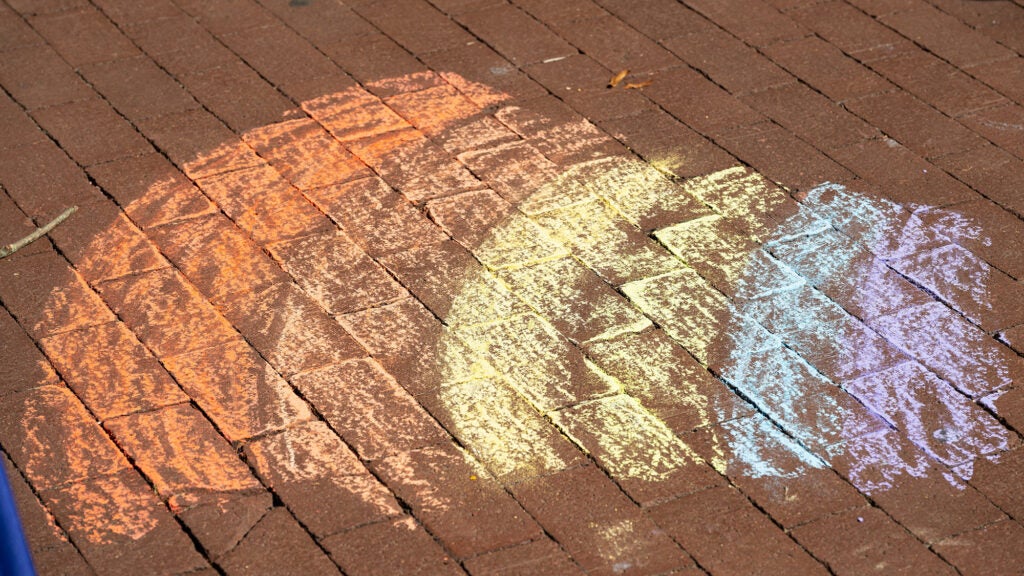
(742,194)
(625,438)
(503,431)
(560,289)
(516,242)
(606,242)
(484,298)
(538,361)
(693,313)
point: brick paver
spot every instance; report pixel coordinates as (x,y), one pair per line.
(407,287)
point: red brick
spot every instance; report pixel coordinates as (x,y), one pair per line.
(514,170)
(238,390)
(457,500)
(167,314)
(17,125)
(221,521)
(993,548)
(850,30)
(469,217)
(15,33)
(121,527)
(659,19)
(616,45)
(602,529)
(320,480)
(990,169)
(638,451)
(333,270)
(782,157)
(84,36)
(277,545)
(238,96)
(435,274)
(482,75)
(380,64)
(320,23)
(756,23)
(1001,125)
(788,483)
(1006,76)
(16,225)
(370,410)
(865,540)
(582,83)
(305,154)
(474,133)
(702,105)
(394,547)
(662,140)
(22,366)
(217,257)
(449,281)
(537,557)
(227,16)
(137,88)
(376,217)
(434,110)
(560,15)
(273,51)
(727,60)
(37,77)
(515,35)
(827,69)
(415,166)
(414,24)
(150,190)
(91,131)
(996,477)
(48,296)
(103,244)
(936,82)
(44,182)
(406,338)
(704,522)
(198,143)
(1014,337)
(931,269)
(914,124)
(111,371)
(816,119)
(901,175)
(179,44)
(943,35)
(290,330)
(53,440)
(659,373)
(353,114)
(558,133)
(127,12)
(922,497)
(264,204)
(182,454)
(484,409)
(1008,405)
(49,546)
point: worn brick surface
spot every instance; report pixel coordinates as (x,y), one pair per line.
(414,287)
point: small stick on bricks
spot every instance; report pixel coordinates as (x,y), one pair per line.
(6,251)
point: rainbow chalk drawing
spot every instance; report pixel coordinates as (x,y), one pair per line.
(806,311)
(665,329)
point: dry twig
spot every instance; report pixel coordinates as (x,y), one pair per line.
(13,247)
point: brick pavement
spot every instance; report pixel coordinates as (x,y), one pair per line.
(403,287)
